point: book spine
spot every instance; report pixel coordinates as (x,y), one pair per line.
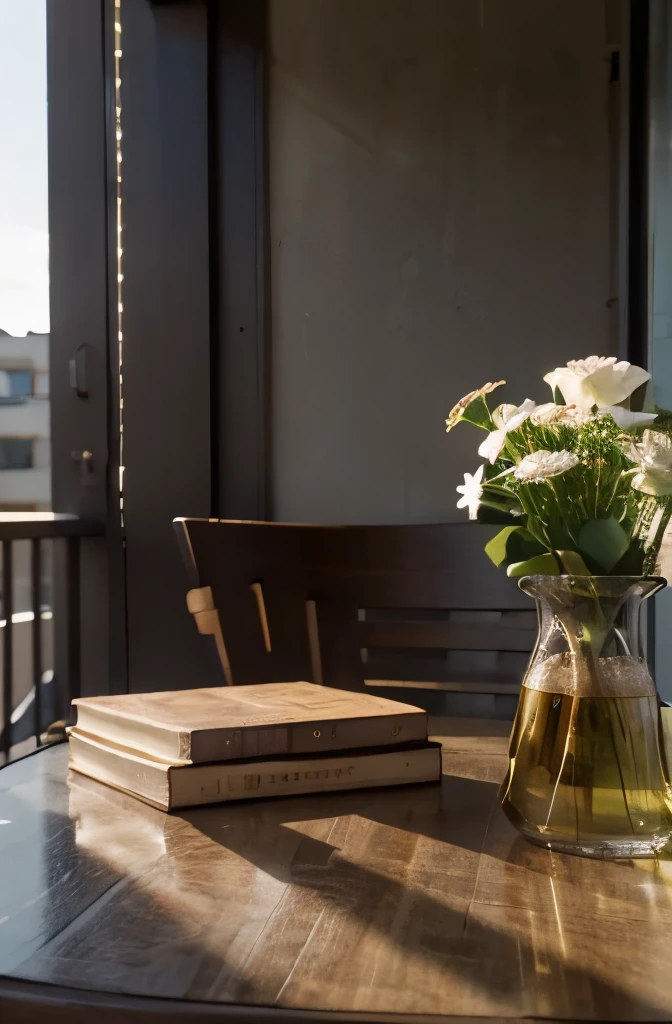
(193,785)
(307,737)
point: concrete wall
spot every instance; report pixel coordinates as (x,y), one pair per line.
(440,190)
(27,487)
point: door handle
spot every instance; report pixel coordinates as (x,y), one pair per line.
(86,468)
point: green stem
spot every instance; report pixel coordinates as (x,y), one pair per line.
(654,549)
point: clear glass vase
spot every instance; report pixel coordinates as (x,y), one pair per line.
(587,769)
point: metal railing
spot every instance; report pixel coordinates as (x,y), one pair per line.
(36,528)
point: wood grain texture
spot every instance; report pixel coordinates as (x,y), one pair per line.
(421,901)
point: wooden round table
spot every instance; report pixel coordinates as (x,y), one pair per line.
(402,904)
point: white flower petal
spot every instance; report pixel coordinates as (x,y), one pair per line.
(471,491)
(625,419)
(503,413)
(522,413)
(613,384)
(653,481)
(574,387)
(543,465)
(597,380)
(491,448)
(506,418)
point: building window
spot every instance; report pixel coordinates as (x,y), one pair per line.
(16,383)
(16,453)
(20,383)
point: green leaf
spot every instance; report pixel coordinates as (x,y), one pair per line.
(536,528)
(513,544)
(522,545)
(558,397)
(540,565)
(573,564)
(558,534)
(603,541)
(495,549)
(492,516)
(477,412)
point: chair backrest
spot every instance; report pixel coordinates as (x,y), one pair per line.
(416,607)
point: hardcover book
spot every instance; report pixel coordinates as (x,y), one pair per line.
(233,722)
(169,787)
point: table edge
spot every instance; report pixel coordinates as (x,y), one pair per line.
(22,1001)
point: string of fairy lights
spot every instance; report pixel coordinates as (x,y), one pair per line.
(120,250)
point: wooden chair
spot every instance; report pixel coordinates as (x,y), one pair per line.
(384,607)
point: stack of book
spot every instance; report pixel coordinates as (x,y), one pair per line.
(190,747)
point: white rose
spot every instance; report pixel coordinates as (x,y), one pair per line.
(598,380)
(506,418)
(655,469)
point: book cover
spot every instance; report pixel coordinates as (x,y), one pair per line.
(231,722)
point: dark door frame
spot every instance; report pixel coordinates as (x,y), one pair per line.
(194,240)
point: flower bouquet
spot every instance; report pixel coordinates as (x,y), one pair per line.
(581,484)
(582,488)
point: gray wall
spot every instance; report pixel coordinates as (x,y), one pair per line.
(440,197)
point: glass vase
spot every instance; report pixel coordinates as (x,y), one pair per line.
(587,768)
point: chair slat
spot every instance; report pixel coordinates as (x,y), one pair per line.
(445,635)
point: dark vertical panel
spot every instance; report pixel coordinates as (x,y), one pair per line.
(77,77)
(238,91)
(166,344)
(77,248)
(638,223)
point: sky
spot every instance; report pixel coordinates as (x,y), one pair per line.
(24,232)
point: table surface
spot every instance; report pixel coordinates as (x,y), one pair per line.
(414,900)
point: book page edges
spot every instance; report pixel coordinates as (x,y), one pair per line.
(122,770)
(130,732)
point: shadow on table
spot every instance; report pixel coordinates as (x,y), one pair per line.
(128,899)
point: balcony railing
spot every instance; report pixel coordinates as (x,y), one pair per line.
(22,685)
